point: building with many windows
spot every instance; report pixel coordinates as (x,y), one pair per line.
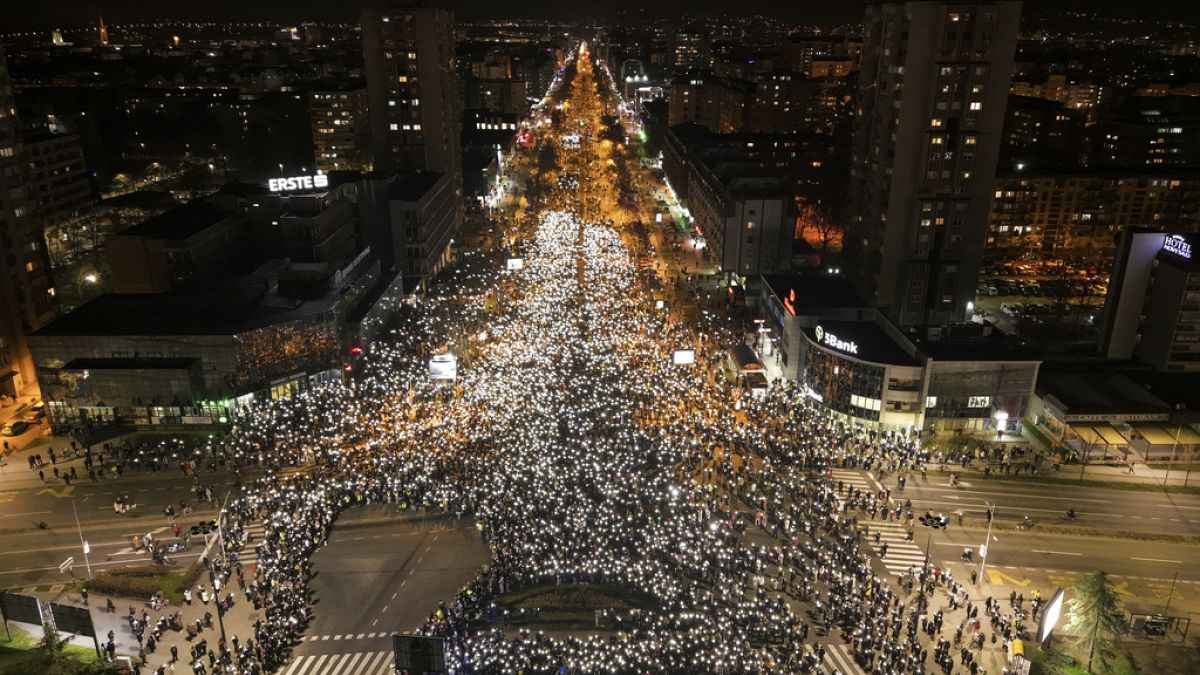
(341,138)
(928,124)
(1152,312)
(1079,214)
(412,88)
(26,287)
(955,379)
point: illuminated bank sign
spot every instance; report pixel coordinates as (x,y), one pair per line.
(296,183)
(831,340)
(1178,245)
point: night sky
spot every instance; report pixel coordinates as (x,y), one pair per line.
(71,13)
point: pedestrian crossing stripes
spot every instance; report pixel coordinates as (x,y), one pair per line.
(902,555)
(354,663)
(348,636)
(839,659)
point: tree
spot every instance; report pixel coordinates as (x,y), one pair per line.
(1094,617)
(816,225)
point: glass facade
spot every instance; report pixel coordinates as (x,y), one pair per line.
(847,386)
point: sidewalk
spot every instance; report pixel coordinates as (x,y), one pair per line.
(1140,474)
(238,621)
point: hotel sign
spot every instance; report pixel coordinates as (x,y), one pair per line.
(831,340)
(296,183)
(1178,245)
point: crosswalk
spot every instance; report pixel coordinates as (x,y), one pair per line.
(353,663)
(838,659)
(902,555)
(255,533)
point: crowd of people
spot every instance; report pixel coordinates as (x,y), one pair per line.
(586,456)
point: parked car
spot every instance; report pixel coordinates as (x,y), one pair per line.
(15,428)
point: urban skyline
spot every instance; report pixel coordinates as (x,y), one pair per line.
(850,341)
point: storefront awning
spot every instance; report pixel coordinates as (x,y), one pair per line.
(1165,434)
(1087,434)
(1110,435)
(1155,434)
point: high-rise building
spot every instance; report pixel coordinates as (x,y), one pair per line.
(928,127)
(103,33)
(341,141)
(26,287)
(415,112)
(412,89)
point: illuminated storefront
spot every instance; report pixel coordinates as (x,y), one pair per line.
(858,370)
(956,379)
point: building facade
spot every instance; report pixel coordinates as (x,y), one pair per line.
(412,88)
(1079,214)
(26,286)
(1152,312)
(928,126)
(849,356)
(340,128)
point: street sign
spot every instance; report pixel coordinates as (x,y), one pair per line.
(87,548)
(983,550)
(66,565)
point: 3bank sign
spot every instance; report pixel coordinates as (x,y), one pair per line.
(298,183)
(1178,245)
(831,340)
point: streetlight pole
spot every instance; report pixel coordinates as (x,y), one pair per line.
(987,539)
(1174,447)
(83,544)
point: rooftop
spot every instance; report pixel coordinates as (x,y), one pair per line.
(1096,390)
(180,222)
(815,290)
(236,306)
(870,342)
(410,187)
(133,363)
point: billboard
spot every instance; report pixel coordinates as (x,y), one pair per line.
(23,608)
(516,264)
(419,654)
(684,357)
(443,367)
(72,619)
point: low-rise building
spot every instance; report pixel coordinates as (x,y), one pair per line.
(847,354)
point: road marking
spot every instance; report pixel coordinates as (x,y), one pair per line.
(384,610)
(1177,562)
(61,494)
(996,577)
(1056,552)
(397,592)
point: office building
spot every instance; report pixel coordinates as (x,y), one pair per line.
(962,378)
(928,126)
(1152,312)
(690,49)
(26,286)
(341,132)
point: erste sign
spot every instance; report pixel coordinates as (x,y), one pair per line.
(298,183)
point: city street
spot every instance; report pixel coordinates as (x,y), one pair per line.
(383,572)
